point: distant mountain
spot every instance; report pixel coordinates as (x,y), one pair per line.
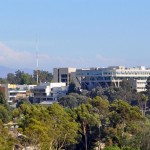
(5,70)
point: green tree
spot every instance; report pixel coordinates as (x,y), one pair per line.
(65,127)
(7,142)
(11,78)
(44,76)
(141,139)
(87,118)
(2,99)
(126,85)
(148,86)
(124,121)
(38,123)
(3,81)
(73,100)
(18,76)
(68,101)
(4,115)
(101,107)
(25,79)
(143,103)
(72,88)
(112,148)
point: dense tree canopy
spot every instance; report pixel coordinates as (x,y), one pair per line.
(81,121)
(46,127)
(20,77)
(73,100)
(44,76)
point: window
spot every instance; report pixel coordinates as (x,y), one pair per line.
(63,75)
(63,80)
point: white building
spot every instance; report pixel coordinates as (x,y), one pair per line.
(90,78)
(49,92)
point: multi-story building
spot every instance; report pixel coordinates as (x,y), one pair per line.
(11,92)
(90,78)
(15,92)
(65,75)
(49,92)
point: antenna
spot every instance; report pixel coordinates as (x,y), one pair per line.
(37,63)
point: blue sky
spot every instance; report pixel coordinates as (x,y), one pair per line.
(74,33)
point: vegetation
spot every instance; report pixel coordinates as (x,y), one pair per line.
(20,77)
(117,125)
(110,118)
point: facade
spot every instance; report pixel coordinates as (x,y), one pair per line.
(49,92)
(15,92)
(65,75)
(90,78)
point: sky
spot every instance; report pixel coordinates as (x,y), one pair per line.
(74,33)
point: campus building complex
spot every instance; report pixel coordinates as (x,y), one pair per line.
(65,75)
(48,92)
(14,92)
(90,78)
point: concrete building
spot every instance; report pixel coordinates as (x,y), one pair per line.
(15,92)
(65,75)
(49,92)
(90,78)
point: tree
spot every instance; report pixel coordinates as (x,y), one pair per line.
(46,127)
(101,107)
(7,142)
(143,103)
(72,88)
(112,148)
(98,91)
(22,101)
(148,85)
(87,118)
(73,100)
(11,78)
(18,76)
(44,76)
(4,115)
(25,79)
(2,99)
(124,121)
(126,85)
(3,81)
(65,127)
(141,139)
(147,92)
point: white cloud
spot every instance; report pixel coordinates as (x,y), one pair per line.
(23,59)
(12,58)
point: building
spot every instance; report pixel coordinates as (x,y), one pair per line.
(15,92)
(113,75)
(49,92)
(65,75)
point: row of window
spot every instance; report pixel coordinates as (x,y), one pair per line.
(111,73)
(134,73)
(140,82)
(143,88)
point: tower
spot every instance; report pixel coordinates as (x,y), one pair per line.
(37,64)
